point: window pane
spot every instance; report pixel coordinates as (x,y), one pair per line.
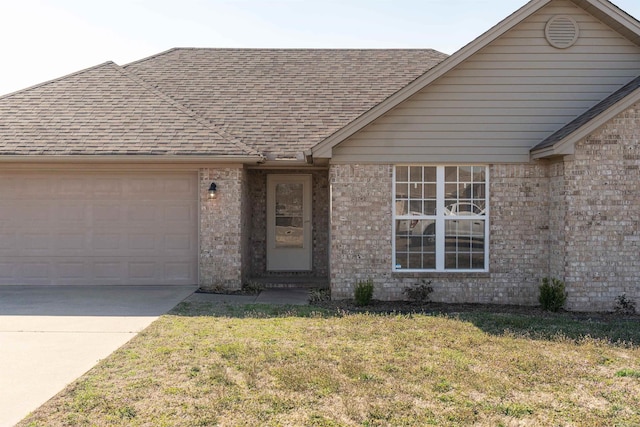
(464,173)
(451,190)
(430,191)
(415,174)
(451,174)
(415,207)
(430,207)
(402,173)
(415,244)
(415,191)
(430,174)
(402,191)
(479,174)
(401,207)
(289,221)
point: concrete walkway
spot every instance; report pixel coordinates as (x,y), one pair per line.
(51,335)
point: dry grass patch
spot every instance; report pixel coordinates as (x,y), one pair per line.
(206,365)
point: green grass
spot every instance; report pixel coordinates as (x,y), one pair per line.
(205,365)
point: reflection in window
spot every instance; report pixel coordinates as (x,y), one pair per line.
(289,220)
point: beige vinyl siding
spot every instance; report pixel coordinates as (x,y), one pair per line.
(502,101)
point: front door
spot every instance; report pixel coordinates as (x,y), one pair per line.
(289,222)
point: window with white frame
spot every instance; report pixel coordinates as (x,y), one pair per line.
(441,218)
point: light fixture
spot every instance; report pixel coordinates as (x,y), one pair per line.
(212,190)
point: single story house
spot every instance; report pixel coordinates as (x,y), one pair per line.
(514,159)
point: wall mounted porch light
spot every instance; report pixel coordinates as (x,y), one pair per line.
(213,189)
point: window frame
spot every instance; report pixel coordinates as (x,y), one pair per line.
(440,218)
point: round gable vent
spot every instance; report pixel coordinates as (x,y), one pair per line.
(562,31)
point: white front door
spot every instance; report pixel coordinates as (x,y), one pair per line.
(289,222)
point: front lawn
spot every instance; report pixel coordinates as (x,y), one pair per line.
(206,365)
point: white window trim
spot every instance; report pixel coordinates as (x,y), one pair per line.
(440,219)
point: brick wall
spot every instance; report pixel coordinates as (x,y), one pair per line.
(221,228)
(557,215)
(361,227)
(602,224)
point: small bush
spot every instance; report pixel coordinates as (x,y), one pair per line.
(624,305)
(552,294)
(363,292)
(420,292)
(319,295)
(252,288)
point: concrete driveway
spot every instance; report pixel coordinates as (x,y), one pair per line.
(51,335)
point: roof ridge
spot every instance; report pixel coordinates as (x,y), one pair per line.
(285,49)
(57,79)
(224,135)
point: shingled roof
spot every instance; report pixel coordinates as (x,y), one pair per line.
(106,111)
(282,102)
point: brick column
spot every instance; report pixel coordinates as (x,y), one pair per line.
(223,228)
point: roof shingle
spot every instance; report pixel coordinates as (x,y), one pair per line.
(105,111)
(282,102)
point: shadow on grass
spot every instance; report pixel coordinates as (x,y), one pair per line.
(526,322)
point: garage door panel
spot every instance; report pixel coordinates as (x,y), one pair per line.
(36,243)
(177,270)
(145,188)
(72,271)
(107,213)
(71,188)
(8,271)
(37,271)
(148,270)
(178,242)
(180,213)
(70,212)
(108,269)
(7,242)
(98,228)
(111,188)
(32,188)
(38,212)
(182,187)
(106,241)
(145,242)
(143,212)
(70,242)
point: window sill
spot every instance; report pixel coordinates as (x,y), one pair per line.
(440,274)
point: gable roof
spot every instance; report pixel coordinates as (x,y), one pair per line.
(282,102)
(563,140)
(604,10)
(106,111)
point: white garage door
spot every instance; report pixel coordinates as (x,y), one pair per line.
(98,228)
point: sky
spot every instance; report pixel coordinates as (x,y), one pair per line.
(47,39)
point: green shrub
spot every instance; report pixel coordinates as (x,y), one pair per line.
(624,305)
(552,294)
(363,292)
(420,292)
